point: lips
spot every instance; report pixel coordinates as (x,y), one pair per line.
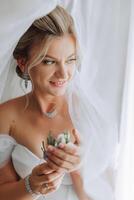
(58,83)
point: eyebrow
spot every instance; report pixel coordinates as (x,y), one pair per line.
(49,56)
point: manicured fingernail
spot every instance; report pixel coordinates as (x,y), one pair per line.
(50,148)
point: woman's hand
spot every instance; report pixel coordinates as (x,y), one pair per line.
(66,158)
(44,179)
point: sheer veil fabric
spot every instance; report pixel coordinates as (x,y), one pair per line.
(99,132)
(125,175)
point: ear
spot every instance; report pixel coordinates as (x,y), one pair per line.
(22,64)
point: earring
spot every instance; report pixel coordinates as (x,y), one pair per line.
(26,78)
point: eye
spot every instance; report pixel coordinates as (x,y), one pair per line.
(70,61)
(48,62)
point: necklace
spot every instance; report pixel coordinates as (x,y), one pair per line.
(51,111)
(51,114)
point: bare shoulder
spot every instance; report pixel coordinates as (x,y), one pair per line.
(8,113)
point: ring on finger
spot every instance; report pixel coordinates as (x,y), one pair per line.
(46,185)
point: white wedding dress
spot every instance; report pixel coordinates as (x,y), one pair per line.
(24,161)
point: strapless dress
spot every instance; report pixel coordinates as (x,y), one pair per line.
(24,161)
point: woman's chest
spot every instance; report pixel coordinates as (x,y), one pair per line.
(31,131)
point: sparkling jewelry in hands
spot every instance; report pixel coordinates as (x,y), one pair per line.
(29,189)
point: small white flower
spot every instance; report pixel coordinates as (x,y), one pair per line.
(61,139)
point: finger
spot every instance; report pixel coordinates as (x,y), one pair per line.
(55,167)
(52,177)
(70,148)
(46,191)
(64,161)
(53,186)
(63,149)
(76,136)
(57,151)
(48,178)
(56,183)
(61,163)
(42,169)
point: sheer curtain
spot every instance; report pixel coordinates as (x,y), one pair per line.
(125,175)
(108,77)
(105,61)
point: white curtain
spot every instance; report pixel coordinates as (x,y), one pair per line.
(104,71)
(108,77)
(125,175)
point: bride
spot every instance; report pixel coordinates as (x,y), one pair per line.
(47,62)
(47,56)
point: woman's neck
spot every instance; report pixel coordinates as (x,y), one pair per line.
(45,103)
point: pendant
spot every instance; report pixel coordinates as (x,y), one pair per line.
(51,114)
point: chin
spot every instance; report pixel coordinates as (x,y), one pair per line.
(58,93)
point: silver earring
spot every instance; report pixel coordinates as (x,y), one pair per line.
(26,78)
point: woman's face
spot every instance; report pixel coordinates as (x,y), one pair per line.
(53,74)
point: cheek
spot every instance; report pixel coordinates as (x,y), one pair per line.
(38,79)
(40,75)
(72,71)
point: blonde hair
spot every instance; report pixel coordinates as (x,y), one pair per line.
(57,23)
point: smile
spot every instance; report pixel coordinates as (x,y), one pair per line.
(58,83)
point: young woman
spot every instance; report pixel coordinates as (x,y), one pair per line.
(47,56)
(46,59)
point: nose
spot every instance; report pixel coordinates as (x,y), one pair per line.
(61,71)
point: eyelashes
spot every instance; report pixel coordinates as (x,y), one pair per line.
(71,61)
(48,62)
(52,62)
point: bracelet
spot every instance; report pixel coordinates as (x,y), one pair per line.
(29,190)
